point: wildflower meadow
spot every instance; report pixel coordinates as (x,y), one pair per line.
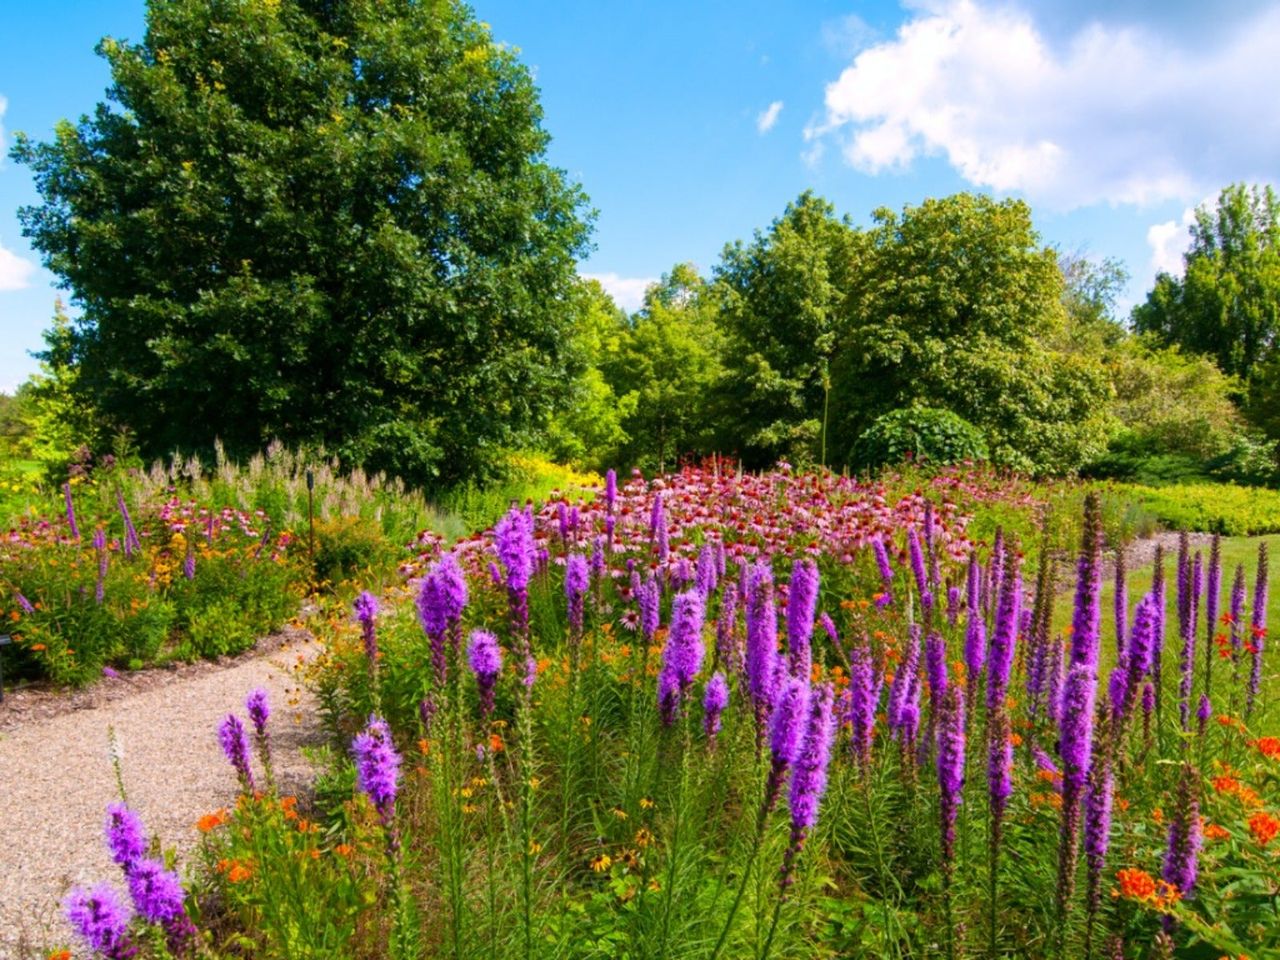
(721,714)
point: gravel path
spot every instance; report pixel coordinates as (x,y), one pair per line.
(56,778)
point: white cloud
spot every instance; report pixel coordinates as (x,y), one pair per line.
(847,35)
(1168,241)
(627,292)
(1116,113)
(768,117)
(15,272)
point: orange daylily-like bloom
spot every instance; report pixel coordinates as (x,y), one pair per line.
(344,850)
(211,821)
(1268,747)
(1139,885)
(1215,832)
(1264,827)
(60,955)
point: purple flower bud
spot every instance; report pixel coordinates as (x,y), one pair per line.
(802,604)
(366,607)
(71,511)
(377,767)
(126,838)
(788,721)
(714,700)
(101,921)
(259,710)
(650,599)
(829,627)
(809,776)
(235,745)
(950,765)
(577,580)
(682,655)
(485,657)
(762,635)
(917,568)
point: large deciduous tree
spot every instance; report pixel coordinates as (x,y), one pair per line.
(780,302)
(1226,304)
(324,222)
(957,305)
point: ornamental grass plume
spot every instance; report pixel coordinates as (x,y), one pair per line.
(235,745)
(714,700)
(682,655)
(366,608)
(1258,629)
(802,607)
(126,839)
(577,581)
(485,658)
(101,921)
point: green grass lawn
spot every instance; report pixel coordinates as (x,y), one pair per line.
(1235,550)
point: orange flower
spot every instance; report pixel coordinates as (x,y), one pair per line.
(37,646)
(1225,784)
(60,955)
(344,850)
(239,872)
(1268,747)
(495,743)
(1215,832)
(1015,739)
(1157,815)
(1136,884)
(1264,827)
(211,821)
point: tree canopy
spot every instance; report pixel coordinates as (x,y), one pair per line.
(327,223)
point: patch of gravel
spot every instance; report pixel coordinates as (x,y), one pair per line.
(56,777)
(1137,554)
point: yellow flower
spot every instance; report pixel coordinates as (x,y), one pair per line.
(602,863)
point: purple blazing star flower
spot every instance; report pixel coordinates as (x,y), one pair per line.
(886,572)
(903,680)
(949,731)
(809,774)
(101,921)
(485,657)
(235,745)
(71,511)
(189,565)
(1077,726)
(650,598)
(1000,653)
(157,893)
(27,606)
(1097,829)
(953,605)
(598,563)
(762,636)
(935,665)
(714,700)
(577,580)
(682,655)
(366,607)
(829,627)
(1087,618)
(126,838)
(999,768)
(1258,632)
(1182,855)
(917,568)
(377,767)
(802,605)
(1237,613)
(658,528)
(1138,656)
(131,541)
(1120,606)
(259,710)
(442,597)
(728,648)
(707,575)
(865,684)
(513,540)
(610,489)
(788,721)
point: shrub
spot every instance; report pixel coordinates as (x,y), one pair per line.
(927,434)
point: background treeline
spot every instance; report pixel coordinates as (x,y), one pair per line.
(945,331)
(335,225)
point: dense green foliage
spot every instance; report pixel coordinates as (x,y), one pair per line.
(923,434)
(363,245)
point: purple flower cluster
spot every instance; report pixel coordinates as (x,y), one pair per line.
(377,767)
(441,599)
(682,655)
(950,761)
(366,607)
(918,570)
(802,606)
(485,658)
(809,774)
(714,701)
(865,684)
(235,745)
(762,637)
(577,580)
(101,921)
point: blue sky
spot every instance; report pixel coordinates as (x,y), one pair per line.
(692,124)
